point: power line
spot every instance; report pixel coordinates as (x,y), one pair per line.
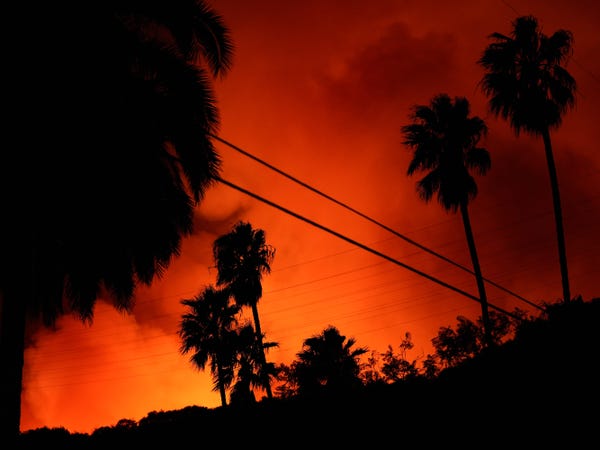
(370,219)
(363,246)
(510,6)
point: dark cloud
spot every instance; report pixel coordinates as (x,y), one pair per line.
(216,222)
(391,72)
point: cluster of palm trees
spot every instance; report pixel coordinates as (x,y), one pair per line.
(329,365)
(119,167)
(526,83)
(211,330)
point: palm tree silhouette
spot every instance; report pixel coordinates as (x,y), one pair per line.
(527,84)
(444,140)
(209,332)
(114,173)
(250,371)
(328,362)
(242,256)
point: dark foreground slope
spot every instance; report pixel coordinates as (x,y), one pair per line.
(541,389)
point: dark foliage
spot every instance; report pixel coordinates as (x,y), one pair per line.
(541,387)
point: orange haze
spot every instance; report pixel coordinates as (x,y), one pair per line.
(319,89)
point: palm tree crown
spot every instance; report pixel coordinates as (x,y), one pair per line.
(445,143)
(524,76)
(328,363)
(242,256)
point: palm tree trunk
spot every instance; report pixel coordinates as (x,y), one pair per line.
(560,233)
(485,317)
(222,392)
(259,337)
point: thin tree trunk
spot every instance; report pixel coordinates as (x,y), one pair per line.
(485,317)
(16,293)
(261,347)
(12,348)
(560,233)
(222,392)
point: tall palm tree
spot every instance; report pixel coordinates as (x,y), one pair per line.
(328,362)
(120,109)
(242,256)
(208,331)
(444,140)
(527,84)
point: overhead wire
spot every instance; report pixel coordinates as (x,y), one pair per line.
(370,219)
(360,245)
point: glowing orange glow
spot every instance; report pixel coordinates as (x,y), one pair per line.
(320,90)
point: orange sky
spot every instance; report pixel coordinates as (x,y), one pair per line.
(320,89)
